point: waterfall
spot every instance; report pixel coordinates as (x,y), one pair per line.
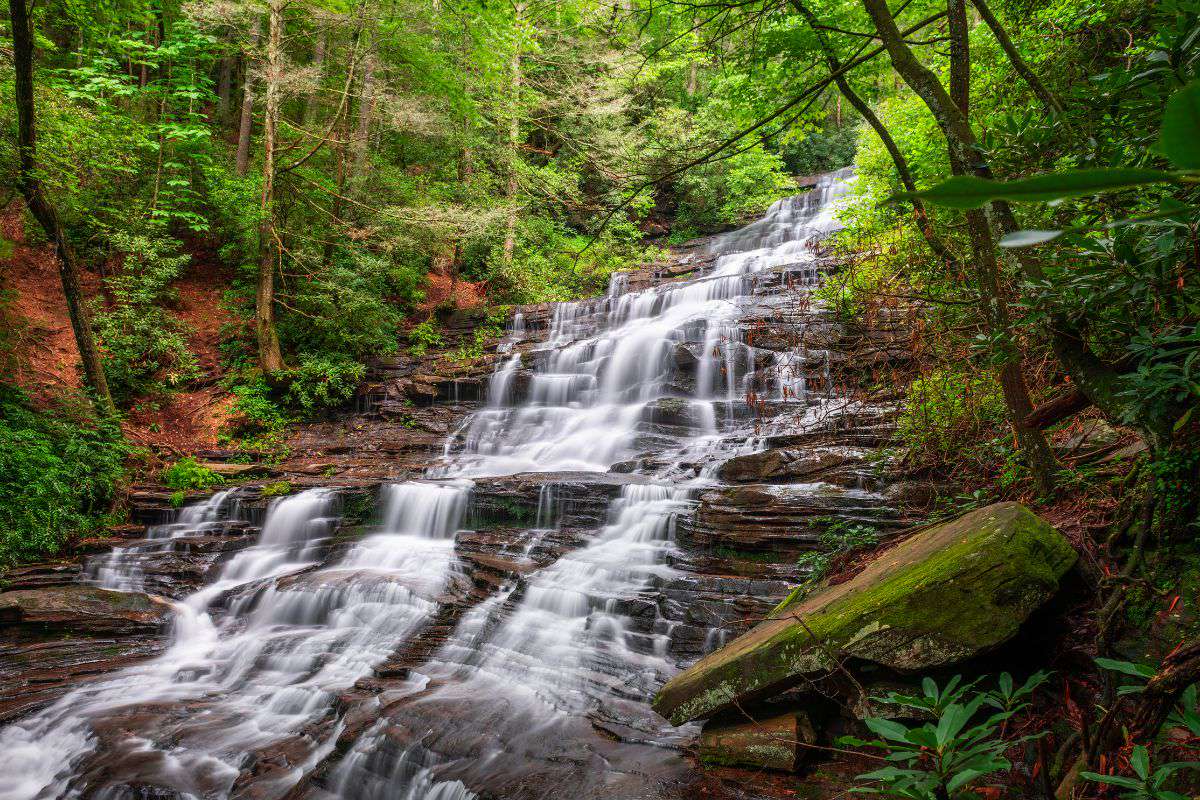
(261,657)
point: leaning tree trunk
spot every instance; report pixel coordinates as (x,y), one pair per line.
(44,212)
(269,357)
(924,224)
(963,155)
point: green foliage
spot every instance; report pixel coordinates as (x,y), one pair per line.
(944,758)
(422,337)
(728,192)
(550,262)
(839,537)
(948,409)
(967,191)
(60,470)
(322,382)
(848,291)
(1149,783)
(276,489)
(146,346)
(492,327)
(187,473)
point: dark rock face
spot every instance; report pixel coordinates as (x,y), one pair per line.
(780,519)
(785,465)
(52,639)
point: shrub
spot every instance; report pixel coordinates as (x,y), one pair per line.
(422,337)
(940,760)
(147,347)
(276,489)
(323,382)
(187,473)
(949,409)
(59,472)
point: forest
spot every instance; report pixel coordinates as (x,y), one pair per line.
(498,399)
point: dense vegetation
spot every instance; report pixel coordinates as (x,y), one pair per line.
(1027,194)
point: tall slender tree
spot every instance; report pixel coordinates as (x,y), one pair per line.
(43,210)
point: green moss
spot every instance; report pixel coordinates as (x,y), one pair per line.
(276,489)
(945,594)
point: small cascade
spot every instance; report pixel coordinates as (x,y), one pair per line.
(122,569)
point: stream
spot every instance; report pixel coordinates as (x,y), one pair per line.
(445,655)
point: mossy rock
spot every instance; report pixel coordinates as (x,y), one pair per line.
(944,595)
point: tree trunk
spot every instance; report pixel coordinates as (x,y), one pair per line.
(246,125)
(313,102)
(960,56)
(963,155)
(43,211)
(224,88)
(514,137)
(366,107)
(269,357)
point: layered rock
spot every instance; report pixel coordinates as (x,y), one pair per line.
(945,594)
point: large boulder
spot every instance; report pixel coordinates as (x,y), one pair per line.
(943,595)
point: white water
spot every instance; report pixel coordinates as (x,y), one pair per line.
(610,358)
(259,655)
(269,666)
(122,569)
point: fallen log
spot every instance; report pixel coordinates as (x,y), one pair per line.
(1058,409)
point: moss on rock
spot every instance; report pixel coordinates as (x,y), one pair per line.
(941,596)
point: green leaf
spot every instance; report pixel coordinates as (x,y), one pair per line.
(887,728)
(1178,139)
(1139,759)
(963,778)
(967,191)
(1126,667)
(1115,780)
(1030,238)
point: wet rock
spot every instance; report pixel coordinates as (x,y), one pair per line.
(777,742)
(84,609)
(784,464)
(53,639)
(675,415)
(948,593)
(916,494)
(782,520)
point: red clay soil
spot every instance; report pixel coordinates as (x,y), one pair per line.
(46,360)
(437,292)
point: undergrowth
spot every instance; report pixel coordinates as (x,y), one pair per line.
(60,471)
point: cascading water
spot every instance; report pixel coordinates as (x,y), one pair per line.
(260,655)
